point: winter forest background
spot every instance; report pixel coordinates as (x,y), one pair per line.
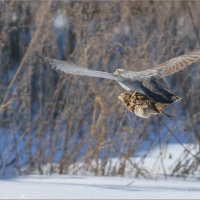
(55,123)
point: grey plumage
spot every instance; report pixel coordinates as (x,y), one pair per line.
(142,81)
(70,68)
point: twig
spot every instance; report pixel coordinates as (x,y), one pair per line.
(177,139)
(44,7)
(193,23)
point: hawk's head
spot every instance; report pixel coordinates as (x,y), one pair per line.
(118,71)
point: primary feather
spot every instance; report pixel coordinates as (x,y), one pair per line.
(165,69)
(70,68)
(176,64)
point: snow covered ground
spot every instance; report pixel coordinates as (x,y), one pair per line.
(159,161)
(87,187)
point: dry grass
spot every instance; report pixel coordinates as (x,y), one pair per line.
(63,119)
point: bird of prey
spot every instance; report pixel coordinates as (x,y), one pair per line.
(144,82)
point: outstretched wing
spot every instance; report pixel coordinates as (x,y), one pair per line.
(176,64)
(165,69)
(70,68)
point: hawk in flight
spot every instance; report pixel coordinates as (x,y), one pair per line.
(142,82)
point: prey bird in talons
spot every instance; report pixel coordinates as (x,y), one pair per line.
(141,105)
(142,82)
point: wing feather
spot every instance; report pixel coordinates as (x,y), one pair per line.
(165,69)
(176,64)
(70,68)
